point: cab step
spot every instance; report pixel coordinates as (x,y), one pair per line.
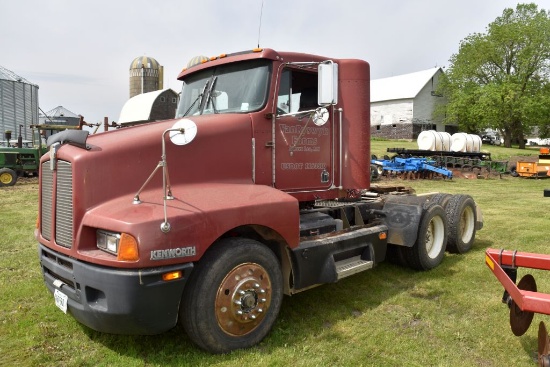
(353,265)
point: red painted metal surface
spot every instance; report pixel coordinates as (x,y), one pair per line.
(349,170)
(527,301)
(227,177)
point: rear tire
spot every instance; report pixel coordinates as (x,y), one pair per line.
(8,177)
(462,217)
(439,199)
(233,296)
(429,248)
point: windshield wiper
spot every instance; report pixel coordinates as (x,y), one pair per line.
(209,98)
(198,99)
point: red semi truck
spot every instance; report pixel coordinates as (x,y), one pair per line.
(259,188)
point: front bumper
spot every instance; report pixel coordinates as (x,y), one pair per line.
(117,301)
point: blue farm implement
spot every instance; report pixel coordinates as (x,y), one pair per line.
(410,167)
(479,163)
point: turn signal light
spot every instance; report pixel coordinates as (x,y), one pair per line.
(127,248)
(173,275)
(382,235)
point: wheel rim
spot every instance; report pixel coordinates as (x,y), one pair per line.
(467,224)
(243,299)
(6,178)
(434,237)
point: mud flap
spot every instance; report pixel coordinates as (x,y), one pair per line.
(403,221)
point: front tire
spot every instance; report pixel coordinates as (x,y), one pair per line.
(233,296)
(429,248)
(8,177)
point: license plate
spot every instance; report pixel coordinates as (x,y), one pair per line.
(60,300)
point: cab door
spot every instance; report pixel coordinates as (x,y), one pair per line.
(303,150)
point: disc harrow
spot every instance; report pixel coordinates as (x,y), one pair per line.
(479,163)
(523,299)
(410,168)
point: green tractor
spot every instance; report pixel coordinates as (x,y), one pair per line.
(22,157)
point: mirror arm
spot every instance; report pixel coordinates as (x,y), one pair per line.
(165,226)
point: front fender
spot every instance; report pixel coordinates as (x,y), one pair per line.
(198,215)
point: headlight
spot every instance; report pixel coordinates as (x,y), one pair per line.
(108,241)
(122,245)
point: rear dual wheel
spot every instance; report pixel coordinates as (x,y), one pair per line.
(429,248)
(462,218)
(448,223)
(233,296)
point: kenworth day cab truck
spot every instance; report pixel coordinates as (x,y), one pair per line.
(258,188)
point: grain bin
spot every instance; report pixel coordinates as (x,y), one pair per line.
(18,105)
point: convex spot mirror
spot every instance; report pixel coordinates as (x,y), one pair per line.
(320,116)
(183,132)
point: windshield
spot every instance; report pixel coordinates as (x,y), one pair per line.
(238,88)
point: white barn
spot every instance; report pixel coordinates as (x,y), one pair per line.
(402,106)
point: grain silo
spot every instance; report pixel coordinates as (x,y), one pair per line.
(18,105)
(146,75)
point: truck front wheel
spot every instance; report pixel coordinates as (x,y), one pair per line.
(233,296)
(429,248)
(8,177)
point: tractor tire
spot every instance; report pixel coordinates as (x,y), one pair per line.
(461,217)
(374,173)
(8,177)
(429,248)
(233,296)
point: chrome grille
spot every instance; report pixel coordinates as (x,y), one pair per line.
(46,201)
(64,205)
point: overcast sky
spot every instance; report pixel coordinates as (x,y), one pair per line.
(79,52)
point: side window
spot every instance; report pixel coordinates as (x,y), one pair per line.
(297,92)
(283,100)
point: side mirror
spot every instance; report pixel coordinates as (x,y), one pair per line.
(328,83)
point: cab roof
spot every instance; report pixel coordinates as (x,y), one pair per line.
(257,53)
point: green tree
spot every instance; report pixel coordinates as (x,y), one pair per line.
(499,79)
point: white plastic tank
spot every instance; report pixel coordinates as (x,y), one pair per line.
(463,142)
(434,141)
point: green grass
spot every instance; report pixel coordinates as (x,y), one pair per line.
(389,316)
